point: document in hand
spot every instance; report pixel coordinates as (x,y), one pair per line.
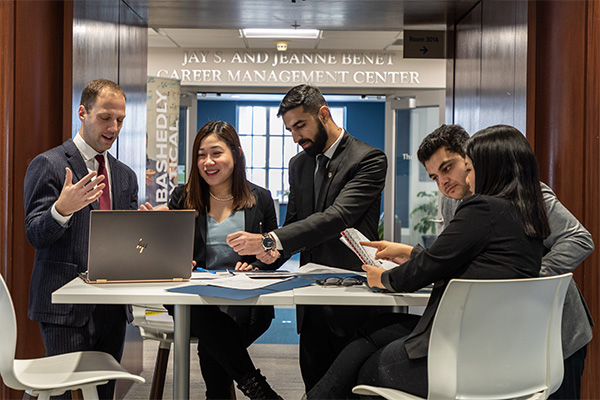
(352,237)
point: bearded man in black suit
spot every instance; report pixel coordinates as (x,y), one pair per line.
(335,183)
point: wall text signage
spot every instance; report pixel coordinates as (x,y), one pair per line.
(271,68)
(424,44)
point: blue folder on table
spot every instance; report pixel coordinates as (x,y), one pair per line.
(242,294)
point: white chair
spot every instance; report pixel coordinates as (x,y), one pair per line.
(52,376)
(494,339)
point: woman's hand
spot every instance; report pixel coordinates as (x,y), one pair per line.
(240,266)
(374,275)
(148,207)
(396,252)
(150,176)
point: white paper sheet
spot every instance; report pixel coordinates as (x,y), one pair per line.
(312,268)
(242,281)
(368,252)
(202,275)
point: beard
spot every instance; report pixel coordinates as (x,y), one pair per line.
(319,142)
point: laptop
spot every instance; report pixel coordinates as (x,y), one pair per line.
(140,246)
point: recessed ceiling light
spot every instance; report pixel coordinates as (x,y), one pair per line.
(281,33)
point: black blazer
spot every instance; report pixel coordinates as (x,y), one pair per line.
(62,252)
(485,240)
(263,211)
(351,198)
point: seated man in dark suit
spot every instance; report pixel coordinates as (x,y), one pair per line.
(62,186)
(335,183)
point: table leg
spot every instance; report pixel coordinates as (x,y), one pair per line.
(181,354)
(400,309)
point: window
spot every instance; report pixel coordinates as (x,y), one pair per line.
(268,147)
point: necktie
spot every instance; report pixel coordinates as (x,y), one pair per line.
(104,200)
(322,161)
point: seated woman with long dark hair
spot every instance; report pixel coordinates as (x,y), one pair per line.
(496,234)
(225,202)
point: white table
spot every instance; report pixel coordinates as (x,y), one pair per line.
(79,292)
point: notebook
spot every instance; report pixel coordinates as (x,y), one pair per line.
(352,237)
(140,246)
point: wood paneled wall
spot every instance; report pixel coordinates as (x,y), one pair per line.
(7,91)
(536,65)
(110,41)
(33,36)
(41,77)
(95,47)
(489,66)
(133,66)
(467,71)
(563,124)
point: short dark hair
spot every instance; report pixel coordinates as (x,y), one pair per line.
(505,167)
(196,188)
(452,137)
(309,97)
(92,90)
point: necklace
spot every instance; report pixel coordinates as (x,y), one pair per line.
(223,199)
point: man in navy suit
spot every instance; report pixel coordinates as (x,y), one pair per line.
(62,186)
(350,176)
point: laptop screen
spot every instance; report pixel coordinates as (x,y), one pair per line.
(140,245)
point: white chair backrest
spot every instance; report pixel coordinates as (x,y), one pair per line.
(491,338)
(8,335)
(555,351)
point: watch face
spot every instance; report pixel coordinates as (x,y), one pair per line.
(268,243)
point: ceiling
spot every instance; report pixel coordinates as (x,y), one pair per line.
(232,39)
(346,24)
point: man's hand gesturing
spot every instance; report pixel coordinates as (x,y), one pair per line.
(74,197)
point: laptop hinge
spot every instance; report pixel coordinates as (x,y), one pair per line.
(177,279)
(101,280)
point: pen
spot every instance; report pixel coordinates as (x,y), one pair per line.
(206,270)
(260,226)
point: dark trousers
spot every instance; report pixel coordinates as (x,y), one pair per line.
(318,349)
(324,333)
(223,338)
(570,389)
(105,331)
(376,356)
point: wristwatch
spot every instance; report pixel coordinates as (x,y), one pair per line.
(267,242)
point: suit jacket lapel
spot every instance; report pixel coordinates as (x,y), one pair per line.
(77,164)
(75,160)
(250,217)
(307,176)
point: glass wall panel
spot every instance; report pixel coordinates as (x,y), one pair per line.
(259,121)
(416,197)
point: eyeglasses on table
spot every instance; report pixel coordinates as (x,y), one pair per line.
(339,281)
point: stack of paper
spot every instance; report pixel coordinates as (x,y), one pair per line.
(352,237)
